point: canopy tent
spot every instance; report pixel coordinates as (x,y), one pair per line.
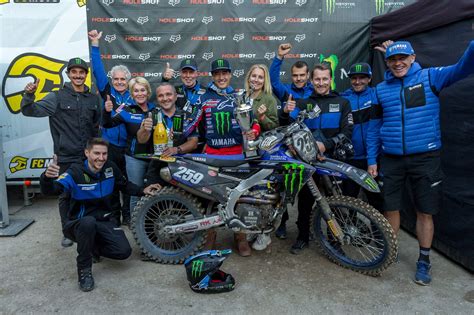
(440,32)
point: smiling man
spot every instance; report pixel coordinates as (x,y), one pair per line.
(74,115)
(334,122)
(406,129)
(90,215)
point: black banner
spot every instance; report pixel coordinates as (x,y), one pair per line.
(146,34)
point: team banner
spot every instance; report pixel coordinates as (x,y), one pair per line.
(146,34)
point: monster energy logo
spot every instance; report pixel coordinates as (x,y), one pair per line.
(177,123)
(196,268)
(78,61)
(309,107)
(220,62)
(222,118)
(87,179)
(379,6)
(358,68)
(371,183)
(188,62)
(333,61)
(293,171)
(330,6)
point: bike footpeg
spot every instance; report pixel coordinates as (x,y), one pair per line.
(236,223)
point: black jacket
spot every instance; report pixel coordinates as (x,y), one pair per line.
(91,193)
(73,119)
(335,117)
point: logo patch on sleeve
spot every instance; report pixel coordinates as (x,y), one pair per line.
(333,108)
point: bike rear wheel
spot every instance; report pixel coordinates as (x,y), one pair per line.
(152,213)
(370,243)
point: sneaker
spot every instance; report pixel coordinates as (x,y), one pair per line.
(66,242)
(422,276)
(298,247)
(262,242)
(281,232)
(86,281)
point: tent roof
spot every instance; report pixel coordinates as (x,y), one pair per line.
(419,17)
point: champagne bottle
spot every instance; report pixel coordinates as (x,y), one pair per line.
(160,138)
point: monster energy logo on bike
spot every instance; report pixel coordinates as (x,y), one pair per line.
(379,6)
(177,124)
(371,183)
(222,122)
(196,268)
(293,177)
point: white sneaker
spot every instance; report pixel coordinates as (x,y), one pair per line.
(262,241)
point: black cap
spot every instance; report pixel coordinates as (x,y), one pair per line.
(188,63)
(220,64)
(360,68)
(77,62)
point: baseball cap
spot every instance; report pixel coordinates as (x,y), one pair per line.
(220,64)
(188,63)
(360,68)
(77,62)
(399,48)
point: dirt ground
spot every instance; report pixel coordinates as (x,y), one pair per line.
(37,275)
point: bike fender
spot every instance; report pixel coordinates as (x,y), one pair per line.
(340,169)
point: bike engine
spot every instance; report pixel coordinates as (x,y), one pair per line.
(249,214)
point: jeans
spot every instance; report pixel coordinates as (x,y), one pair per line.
(136,170)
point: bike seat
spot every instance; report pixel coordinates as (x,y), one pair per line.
(217,160)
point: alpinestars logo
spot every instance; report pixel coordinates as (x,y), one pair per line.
(222,122)
(110,38)
(175,38)
(207,55)
(333,61)
(142,19)
(238,37)
(294,176)
(379,6)
(196,268)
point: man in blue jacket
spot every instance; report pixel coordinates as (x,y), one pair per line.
(120,96)
(406,127)
(298,89)
(362,98)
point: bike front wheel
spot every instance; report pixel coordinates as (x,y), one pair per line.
(370,244)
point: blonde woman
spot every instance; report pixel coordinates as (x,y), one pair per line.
(259,89)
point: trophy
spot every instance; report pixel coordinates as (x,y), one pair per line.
(244,116)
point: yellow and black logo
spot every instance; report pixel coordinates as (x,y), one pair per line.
(37,163)
(18,163)
(34,66)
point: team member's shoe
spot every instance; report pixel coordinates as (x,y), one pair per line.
(242,245)
(422,275)
(65,242)
(298,247)
(86,281)
(281,231)
(262,242)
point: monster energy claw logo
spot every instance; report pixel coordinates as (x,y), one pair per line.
(358,68)
(379,6)
(196,268)
(222,122)
(330,6)
(333,61)
(177,123)
(371,183)
(78,61)
(309,107)
(220,63)
(293,171)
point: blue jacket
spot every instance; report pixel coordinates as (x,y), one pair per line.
(361,104)
(116,135)
(406,121)
(282,91)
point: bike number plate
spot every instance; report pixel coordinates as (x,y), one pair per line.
(188,175)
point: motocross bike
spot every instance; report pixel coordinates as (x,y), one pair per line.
(250,196)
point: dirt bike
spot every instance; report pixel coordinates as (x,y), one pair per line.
(250,196)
